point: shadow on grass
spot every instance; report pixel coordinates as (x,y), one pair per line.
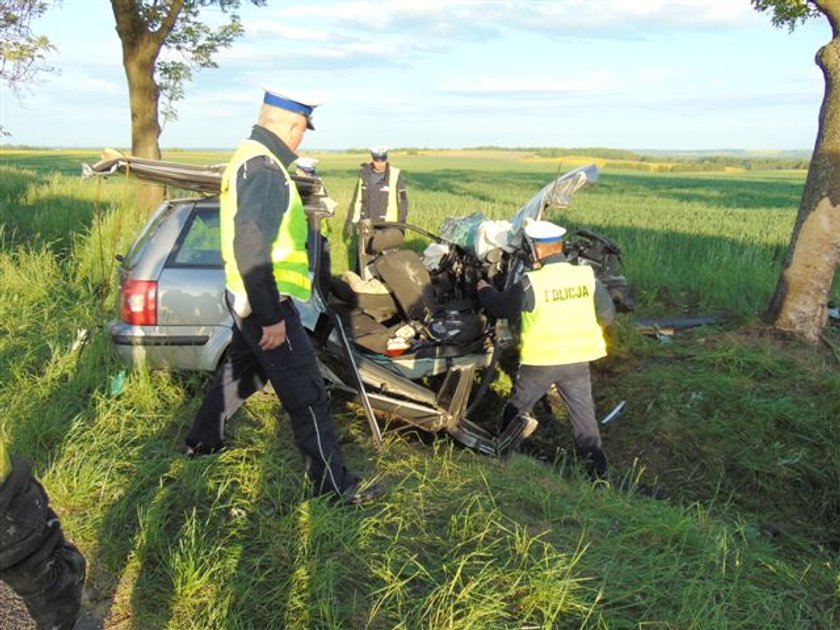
(65,162)
(16,183)
(230,540)
(134,535)
(52,222)
(295,553)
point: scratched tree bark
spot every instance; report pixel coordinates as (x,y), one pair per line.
(800,302)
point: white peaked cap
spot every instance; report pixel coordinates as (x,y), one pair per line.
(307,163)
(544,231)
(297,103)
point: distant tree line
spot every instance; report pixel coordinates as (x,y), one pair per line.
(666,163)
(619,158)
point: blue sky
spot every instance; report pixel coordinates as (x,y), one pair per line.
(630,74)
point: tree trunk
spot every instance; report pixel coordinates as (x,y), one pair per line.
(140,49)
(800,302)
(143,94)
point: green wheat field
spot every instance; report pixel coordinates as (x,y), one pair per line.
(737,426)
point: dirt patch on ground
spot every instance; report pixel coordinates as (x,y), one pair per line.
(631,450)
(14,616)
(13,613)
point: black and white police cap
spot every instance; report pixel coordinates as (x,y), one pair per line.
(544,231)
(303,105)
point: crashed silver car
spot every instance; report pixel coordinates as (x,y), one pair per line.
(407,337)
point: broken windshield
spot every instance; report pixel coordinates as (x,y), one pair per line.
(557,194)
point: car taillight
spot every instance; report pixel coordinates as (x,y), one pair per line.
(138,305)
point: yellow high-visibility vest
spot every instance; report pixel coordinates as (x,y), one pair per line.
(392,213)
(563,327)
(288,251)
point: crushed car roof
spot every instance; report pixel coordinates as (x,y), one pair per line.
(200,179)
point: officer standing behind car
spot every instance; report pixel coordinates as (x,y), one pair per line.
(380,195)
(45,570)
(263,233)
(562,308)
(320,232)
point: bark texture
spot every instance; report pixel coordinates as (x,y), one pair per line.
(799,304)
(141,45)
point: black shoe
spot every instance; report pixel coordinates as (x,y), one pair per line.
(510,438)
(201,449)
(357,494)
(595,462)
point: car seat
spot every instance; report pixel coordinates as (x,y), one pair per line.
(402,270)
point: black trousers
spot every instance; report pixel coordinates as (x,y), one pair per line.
(573,384)
(292,370)
(46,570)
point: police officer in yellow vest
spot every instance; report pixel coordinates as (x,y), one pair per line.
(380,195)
(45,570)
(264,232)
(562,308)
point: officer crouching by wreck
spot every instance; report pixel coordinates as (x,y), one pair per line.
(45,570)
(562,308)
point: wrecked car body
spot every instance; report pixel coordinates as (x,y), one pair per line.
(406,337)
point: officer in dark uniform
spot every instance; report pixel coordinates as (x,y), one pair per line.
(562,308)
(321,231)
(264,233)
(380,195)
(45,570)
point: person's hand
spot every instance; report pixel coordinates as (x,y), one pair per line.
(273,336)
(482,284)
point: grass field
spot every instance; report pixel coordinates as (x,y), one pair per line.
(738,426)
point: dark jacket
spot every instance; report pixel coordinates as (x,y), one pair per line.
(374,192)
(261,188)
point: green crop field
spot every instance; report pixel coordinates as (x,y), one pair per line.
(738,426)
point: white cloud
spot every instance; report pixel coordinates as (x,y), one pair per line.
(435,72)
(356,35)
(677,13)
(547,85)
(480,20)
(283,31)
(92,85)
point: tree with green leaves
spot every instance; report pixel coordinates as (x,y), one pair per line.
(146,29)
(800,301)
(22,53)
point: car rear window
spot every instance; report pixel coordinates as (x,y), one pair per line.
(139,247)
(200,243)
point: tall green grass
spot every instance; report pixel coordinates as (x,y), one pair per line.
(690,244)
(738,427)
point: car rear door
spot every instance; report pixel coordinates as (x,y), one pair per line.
(192,280)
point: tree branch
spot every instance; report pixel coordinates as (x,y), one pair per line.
(168,22)
(127,17)
(831,10)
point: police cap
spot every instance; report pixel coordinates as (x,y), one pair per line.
(544,231)
(307,164)
(297,104)
(379,154)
